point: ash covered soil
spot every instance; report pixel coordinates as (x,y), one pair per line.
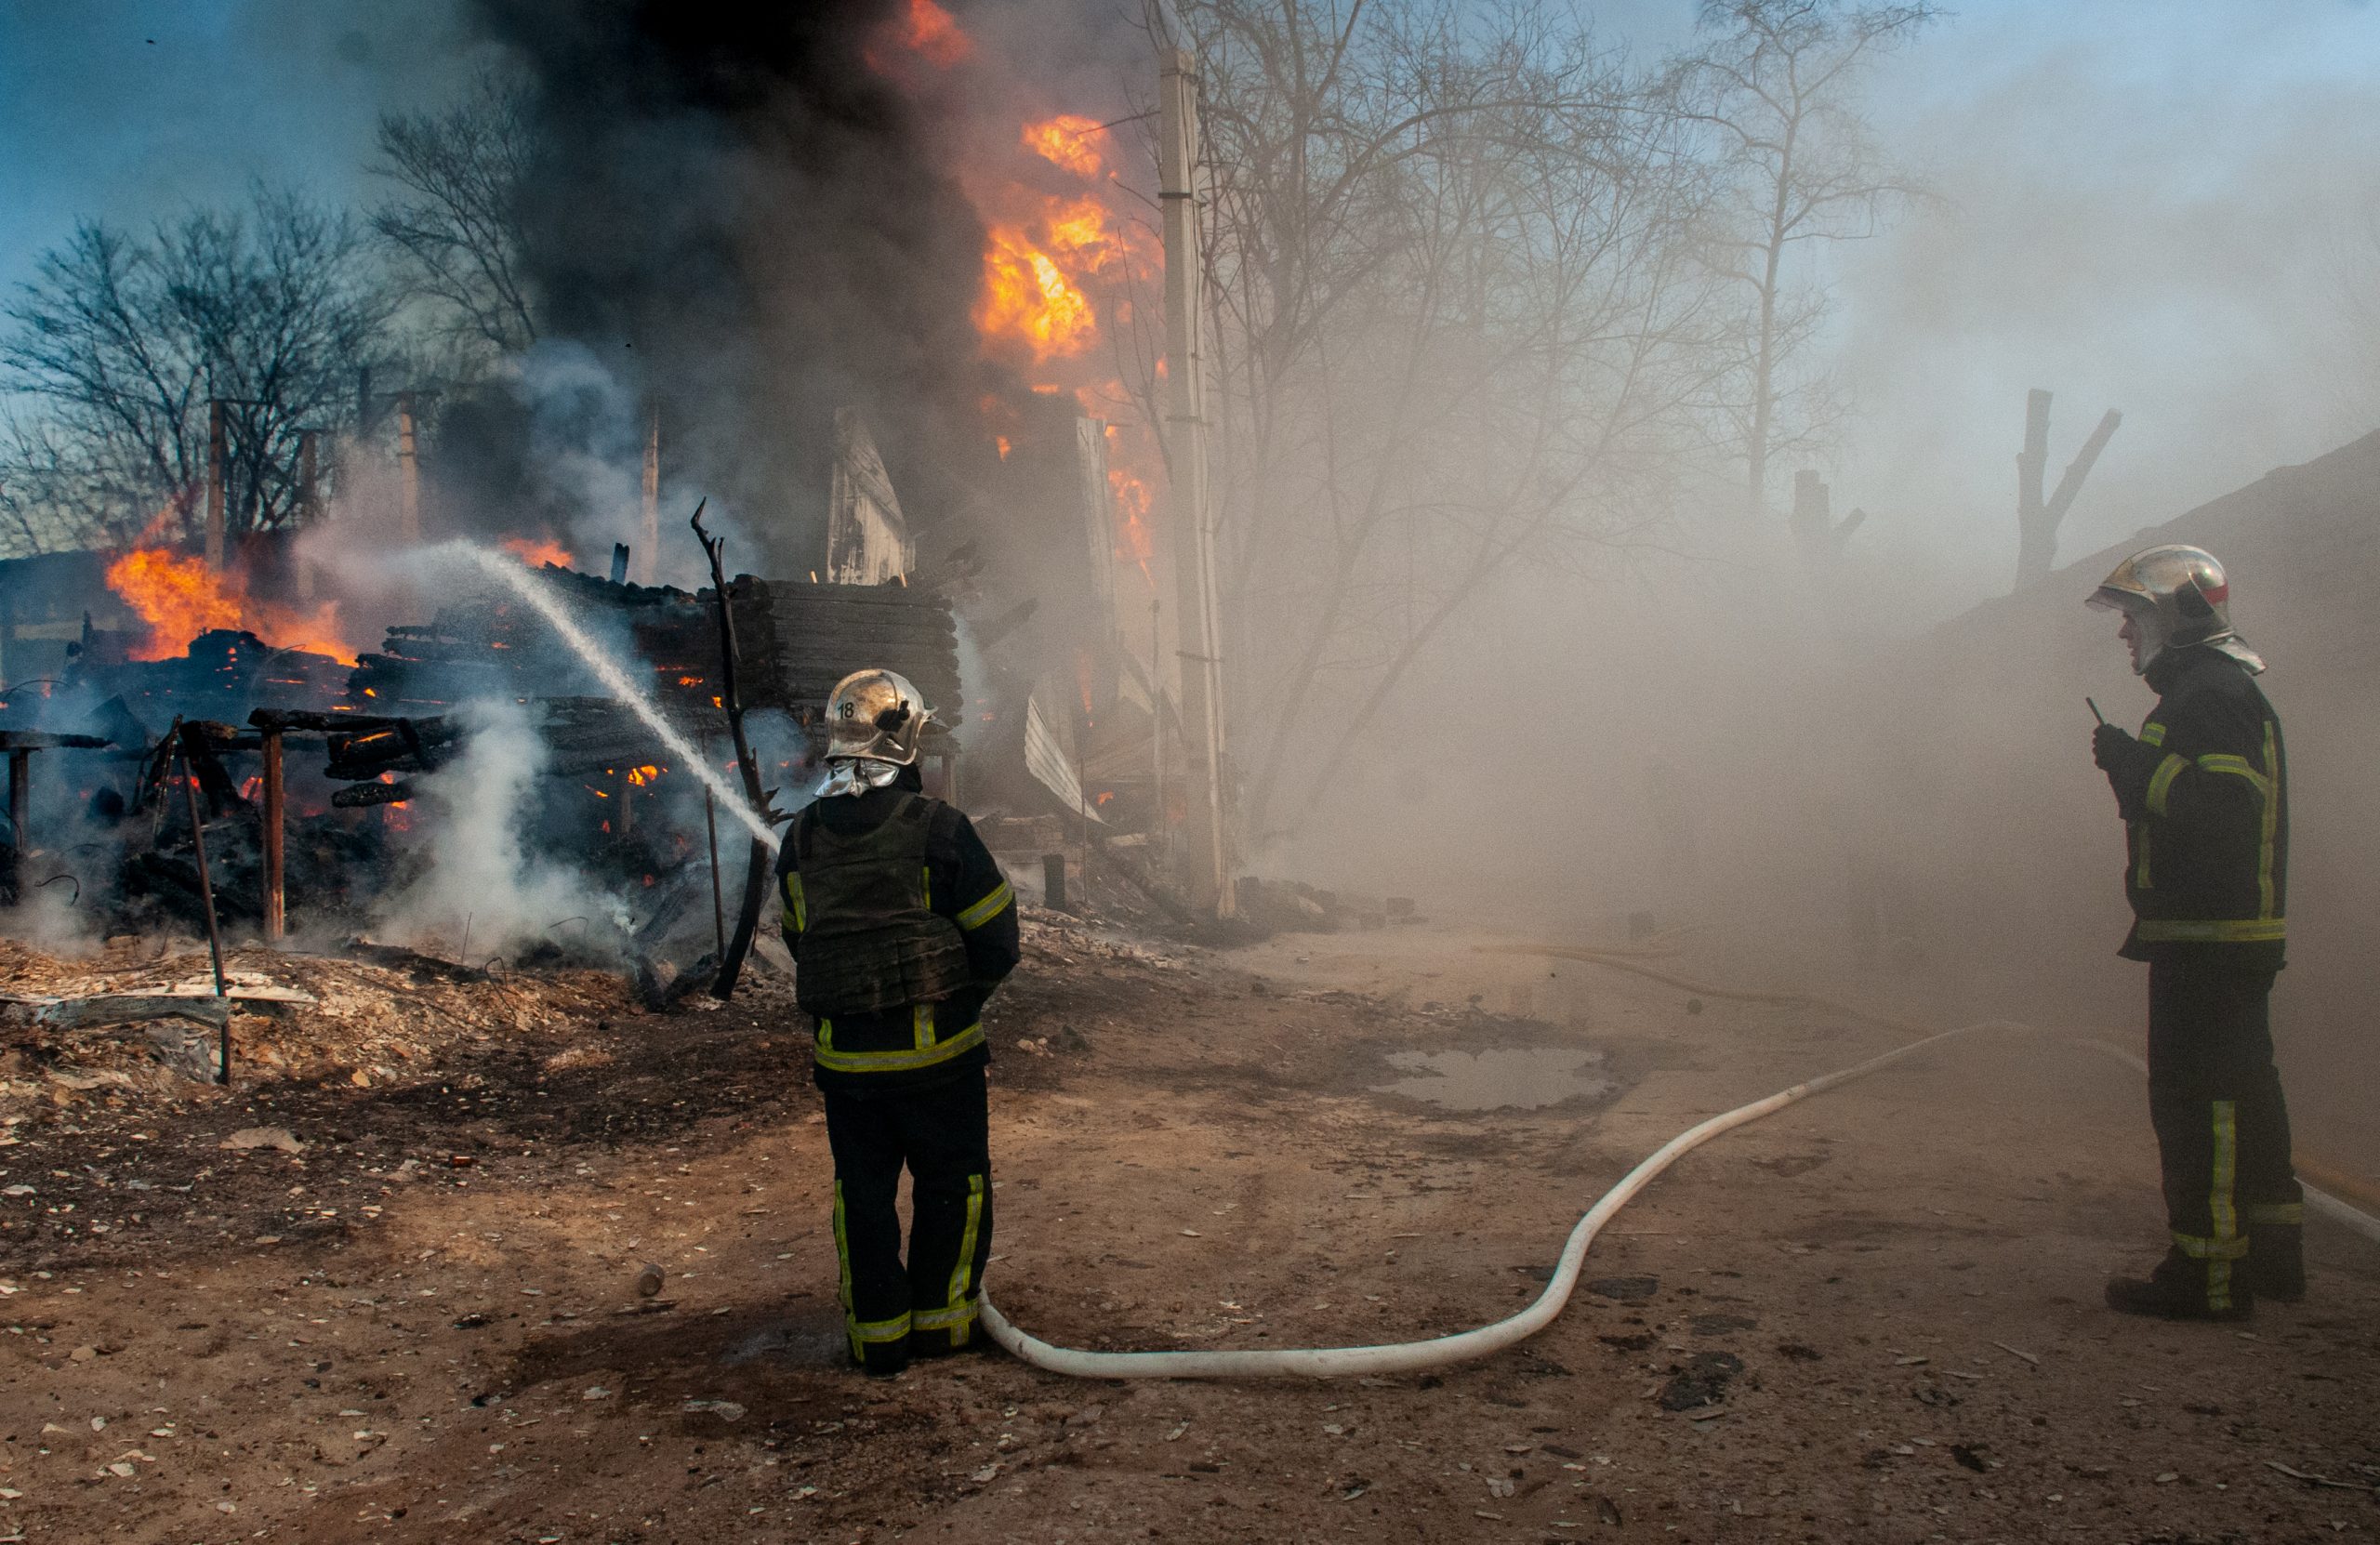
(1872,1316)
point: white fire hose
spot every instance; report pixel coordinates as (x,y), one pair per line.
(1406,1356)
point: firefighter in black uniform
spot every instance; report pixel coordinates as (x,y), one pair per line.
(901,925)
(2203,793)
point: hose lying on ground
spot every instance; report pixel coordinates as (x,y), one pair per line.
(1406,1356)
(2325,1201)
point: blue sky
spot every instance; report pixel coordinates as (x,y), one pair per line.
(2165,207)
(126,108)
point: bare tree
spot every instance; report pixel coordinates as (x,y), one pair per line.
(453,230)
(119,345)
(1459,327)
(1775,85)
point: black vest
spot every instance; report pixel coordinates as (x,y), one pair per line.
(870,940)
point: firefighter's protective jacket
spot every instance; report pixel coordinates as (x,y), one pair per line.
(901,925)
(2204,798)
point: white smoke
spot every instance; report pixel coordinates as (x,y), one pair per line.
(477,880)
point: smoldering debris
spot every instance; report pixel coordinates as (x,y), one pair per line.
(473,884)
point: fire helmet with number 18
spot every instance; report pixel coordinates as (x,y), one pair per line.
(2178,598)
(878,715)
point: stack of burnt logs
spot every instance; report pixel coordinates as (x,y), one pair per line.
(492,646)
(796,640)
(221,676)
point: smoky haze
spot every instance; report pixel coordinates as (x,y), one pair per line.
(2165,210)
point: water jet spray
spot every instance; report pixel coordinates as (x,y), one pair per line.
(541,599)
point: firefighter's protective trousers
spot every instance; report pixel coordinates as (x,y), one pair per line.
(940,1135)
(2222,1126)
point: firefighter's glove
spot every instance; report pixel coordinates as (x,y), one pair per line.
(2129,764)
(2113,749)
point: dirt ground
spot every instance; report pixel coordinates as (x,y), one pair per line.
(1879,1311)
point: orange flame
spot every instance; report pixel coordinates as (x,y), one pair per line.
(641,776)
(181,598)
(1079,231)
(1035,274)
(1132,502)
(1069,140)
(933,34)
(537,550)
(1027,297)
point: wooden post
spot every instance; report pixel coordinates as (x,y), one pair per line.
(1188,498)
(648,550)
(1813,513)
(408,471)
(275,917)
(21,803)
(205,894)
(216,454)
(760,873)
(1160,843)
(1817,536)
(308,476)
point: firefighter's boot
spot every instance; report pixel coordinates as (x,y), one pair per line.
(2183,1287)
(2277,1262)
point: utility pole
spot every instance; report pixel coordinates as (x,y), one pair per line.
(408,473)
(218,453)
(648,549)
(1189,500)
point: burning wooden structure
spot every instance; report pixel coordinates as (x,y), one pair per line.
(273,736)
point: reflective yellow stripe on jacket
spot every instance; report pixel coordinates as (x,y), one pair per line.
(2212,931)
(2264,927)
(923,1051)
(991,906)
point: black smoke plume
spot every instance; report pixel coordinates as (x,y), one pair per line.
(732,208)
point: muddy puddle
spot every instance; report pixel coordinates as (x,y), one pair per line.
(1498,1077)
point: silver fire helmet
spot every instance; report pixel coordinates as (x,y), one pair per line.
(875,714)
(2177,597)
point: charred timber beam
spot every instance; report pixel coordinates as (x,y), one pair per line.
(760,870)
(275,919)
(366,796)
(278,719)
(748,588)
(21,770)
(13,741)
